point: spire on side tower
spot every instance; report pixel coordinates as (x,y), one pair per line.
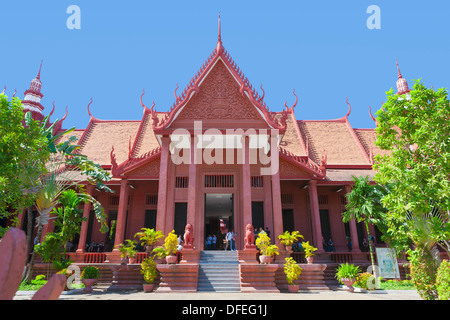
(32,100)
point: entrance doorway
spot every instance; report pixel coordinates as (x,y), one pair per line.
(218,208)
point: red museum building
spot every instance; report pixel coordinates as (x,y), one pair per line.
(220,153)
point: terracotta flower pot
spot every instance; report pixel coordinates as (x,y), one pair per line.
(148,287)
(88,284)
(310,260)
(131,260)
(265,259)
(288,248)
(348,282)
(171,259)
(292,288)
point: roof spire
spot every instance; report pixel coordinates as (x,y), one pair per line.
(219,38)
(398,68)
(39,73)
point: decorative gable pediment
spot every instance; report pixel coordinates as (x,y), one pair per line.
(219,99)
(291,171)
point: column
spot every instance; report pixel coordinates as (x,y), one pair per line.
(122,214)
(315,215)
(246,186)
(192,195)
(85,223)
(162,187)
(353,230)
(268,216)
(277,209)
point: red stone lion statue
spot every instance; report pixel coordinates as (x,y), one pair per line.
(188,235)
(249,235)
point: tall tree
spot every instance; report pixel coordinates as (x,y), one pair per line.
(416,132)
(67,170)
(23,153)
(364,205)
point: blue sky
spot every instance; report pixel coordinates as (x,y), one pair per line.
(323,49)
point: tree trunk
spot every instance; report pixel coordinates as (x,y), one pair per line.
(371,251)
(33,256)
(30,242)
(29,231)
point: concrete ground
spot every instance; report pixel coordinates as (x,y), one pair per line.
(100,293)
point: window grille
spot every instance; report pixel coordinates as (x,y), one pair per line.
(287,198)
(181,182)
(219,181)
(151,199)
(257,181)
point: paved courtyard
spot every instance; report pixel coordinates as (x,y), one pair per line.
(338,294)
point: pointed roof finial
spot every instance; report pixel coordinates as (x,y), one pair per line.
(219,39)
(398,68)
(219,47)
(39,73)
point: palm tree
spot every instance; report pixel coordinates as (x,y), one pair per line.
(66,170)
(364,205)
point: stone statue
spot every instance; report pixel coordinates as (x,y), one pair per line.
(249,235)
(188,235)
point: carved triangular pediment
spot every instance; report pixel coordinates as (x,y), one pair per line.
(219,98)
(290,171)
(148,169)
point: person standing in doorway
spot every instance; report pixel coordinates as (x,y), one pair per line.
(214,241)
(229,238)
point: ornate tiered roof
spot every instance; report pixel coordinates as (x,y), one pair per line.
(330,150)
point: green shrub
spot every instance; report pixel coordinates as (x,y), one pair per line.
(362,279)
(347,271)
(423,269)
(443,280)
(292,270)
(90,272)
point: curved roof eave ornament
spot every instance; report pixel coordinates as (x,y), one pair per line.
(53,110)
(150,110)
(372,117)
(89,111)
(291,109)
(349,108)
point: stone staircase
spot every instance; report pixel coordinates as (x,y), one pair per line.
(219,272)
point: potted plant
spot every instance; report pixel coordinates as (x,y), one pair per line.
(309,251)
(149,271)
(171,246)
(292,271)
(148,237)
(266,249)
(160,253)
(128,250)
(89,277)
(288,238)
(347,275)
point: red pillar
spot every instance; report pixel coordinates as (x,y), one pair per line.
(246,186)
(162,187)
(277,209)
(84,224)
(315,215)
(353,230)
(122,214)
(192,196)
(268,215)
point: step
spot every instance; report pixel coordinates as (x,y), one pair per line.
(219,272)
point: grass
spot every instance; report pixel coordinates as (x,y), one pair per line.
(39,282)
(397,285)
